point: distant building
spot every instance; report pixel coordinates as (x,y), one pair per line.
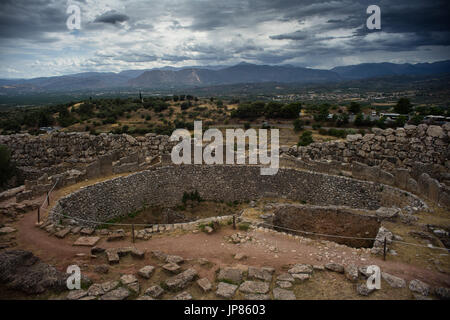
(49,129)
(391,116)
(435,119)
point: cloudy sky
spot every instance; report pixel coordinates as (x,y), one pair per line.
(118,35)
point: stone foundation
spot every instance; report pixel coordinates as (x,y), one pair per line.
(164,186)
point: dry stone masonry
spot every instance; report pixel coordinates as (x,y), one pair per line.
(413,158)
(164,186)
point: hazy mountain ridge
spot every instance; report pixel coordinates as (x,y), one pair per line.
(170,77)
(371,70)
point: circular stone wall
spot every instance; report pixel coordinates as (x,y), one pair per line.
(164,186)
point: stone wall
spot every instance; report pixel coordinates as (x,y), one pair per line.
(164,186)
(57,152)
(389,149)
(413,158)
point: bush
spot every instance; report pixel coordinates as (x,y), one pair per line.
(403,106)
(298,125)
(7,168)
(191,196)
(306,139)
(244,226)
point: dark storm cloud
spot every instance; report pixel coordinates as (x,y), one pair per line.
(112,17)
(20,19)
(421,23)
(216,31)
(297,35)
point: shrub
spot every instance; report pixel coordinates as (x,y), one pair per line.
(7,167)
(244,226)
(306,139)
(298,125)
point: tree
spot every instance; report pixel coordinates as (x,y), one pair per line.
(306,139)
(403,106)
(298,125)
(45,119)
(354,108)
(359,120)
(7,168)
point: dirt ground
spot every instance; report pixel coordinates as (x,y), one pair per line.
(265,249)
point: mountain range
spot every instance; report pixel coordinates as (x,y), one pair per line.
(170,77)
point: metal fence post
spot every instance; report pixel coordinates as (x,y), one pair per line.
(234,222)
(39,214)
(384,249)
(132,231)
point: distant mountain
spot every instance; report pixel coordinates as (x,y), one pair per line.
(241,73)
(372,70)
(171,77)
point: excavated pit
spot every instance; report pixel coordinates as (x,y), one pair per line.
(342,223)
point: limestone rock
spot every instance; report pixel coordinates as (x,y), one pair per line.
(171,267)
(204,284)
(283,294)
(301,268)
(95,290)
(257,297)
(86,241)
(284,284)
(76,294)
(117,294)
(154,291)
(131,282)
(146,272)
(137,253)
(230,274)
(174,259)
(363,290)
(181,280)
(21,270)
(285,277)
(110,285)
(259,274)
(393,281)
(226,290)
(112,256)
(351,272)
(254,287)
(419,287)
(60,234)
(183,296)
(335,267)
(387,213)
(6,230)
(102,268)
(442,293)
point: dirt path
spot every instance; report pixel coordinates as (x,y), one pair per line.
(266,249)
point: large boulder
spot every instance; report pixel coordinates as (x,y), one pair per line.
(21,270)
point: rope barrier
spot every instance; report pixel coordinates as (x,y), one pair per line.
(260,223)
(344,237)
(48,194)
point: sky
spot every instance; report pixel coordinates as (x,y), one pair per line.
(119,35)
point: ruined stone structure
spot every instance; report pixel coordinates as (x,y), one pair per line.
(390,149)
(413,158)
(73,157)
(164,186)
(57,152)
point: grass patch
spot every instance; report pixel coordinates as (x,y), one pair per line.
(244,226)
